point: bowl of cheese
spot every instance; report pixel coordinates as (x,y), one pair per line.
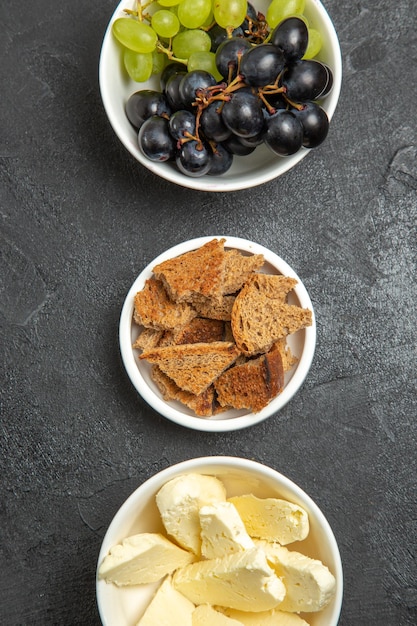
(219,540)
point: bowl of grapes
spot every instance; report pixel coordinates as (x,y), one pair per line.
(220,95)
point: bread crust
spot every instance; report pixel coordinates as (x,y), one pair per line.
(252,385)
(195,366)
(154,309)
(203,405)
(194,275)
(260,315)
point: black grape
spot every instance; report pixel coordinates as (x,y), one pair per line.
(305,80)
(221,161)
(181,123)
(212,123)
(155,140)
(172,91)
(192,82)
(291,36)
(219,34)
(169,70)
(243,114)
(228,53)
(284,133)
(143,104)
(261,64)
(234,145)
(315,124)
(194,158)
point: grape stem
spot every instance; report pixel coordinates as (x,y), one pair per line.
(170,54)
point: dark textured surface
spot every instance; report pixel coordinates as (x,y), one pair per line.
(80,219)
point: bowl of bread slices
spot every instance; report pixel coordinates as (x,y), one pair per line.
(217,333)
(219,540)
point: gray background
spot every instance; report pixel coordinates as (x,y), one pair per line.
(80,220)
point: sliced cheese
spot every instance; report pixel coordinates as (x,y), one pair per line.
(274,617)
(272,519)
(310,585)
(179,502)
(205,615)
(243,580)
(141,559)
(168,608)
(222,531)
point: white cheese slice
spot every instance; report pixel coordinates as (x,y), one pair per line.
(206,615)
(141,559)
(242,580)
(274,617)
(310,585)
(272,519)
(179,502)
(222,531)
(168,608)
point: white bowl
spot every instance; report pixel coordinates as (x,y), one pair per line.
(302,344)
(246,172)
(124,606)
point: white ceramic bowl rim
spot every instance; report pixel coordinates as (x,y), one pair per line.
(266,167)
(218,465)
(168,410)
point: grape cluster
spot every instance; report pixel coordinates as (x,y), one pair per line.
(231,79)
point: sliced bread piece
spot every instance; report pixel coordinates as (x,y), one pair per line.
(194,275)
(288,358)
(148,338)
(220,309)
(260,315)
(154,309)
(238,268)
(252,385)
(203,405)
(273,285)
(199,330)
(193,366)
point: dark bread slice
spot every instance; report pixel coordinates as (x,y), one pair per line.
(194,275)
(203,405)
(199,330)
(260,315)
(220,309)
(193,367)
(148,338)
(154,309)
(288,358)
(238,268)
(252,385)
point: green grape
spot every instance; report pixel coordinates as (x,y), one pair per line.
(169,3)
(193,13)
(138,65)
(165,23)
(229,13)
(189,41)
(135,35)
(278,9)
(204,61)
(315,43)
(209,20)
(159,60)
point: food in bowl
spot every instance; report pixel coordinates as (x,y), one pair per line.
(263,165)
(230,79)
(301,344)
(220,552)
(215,328)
